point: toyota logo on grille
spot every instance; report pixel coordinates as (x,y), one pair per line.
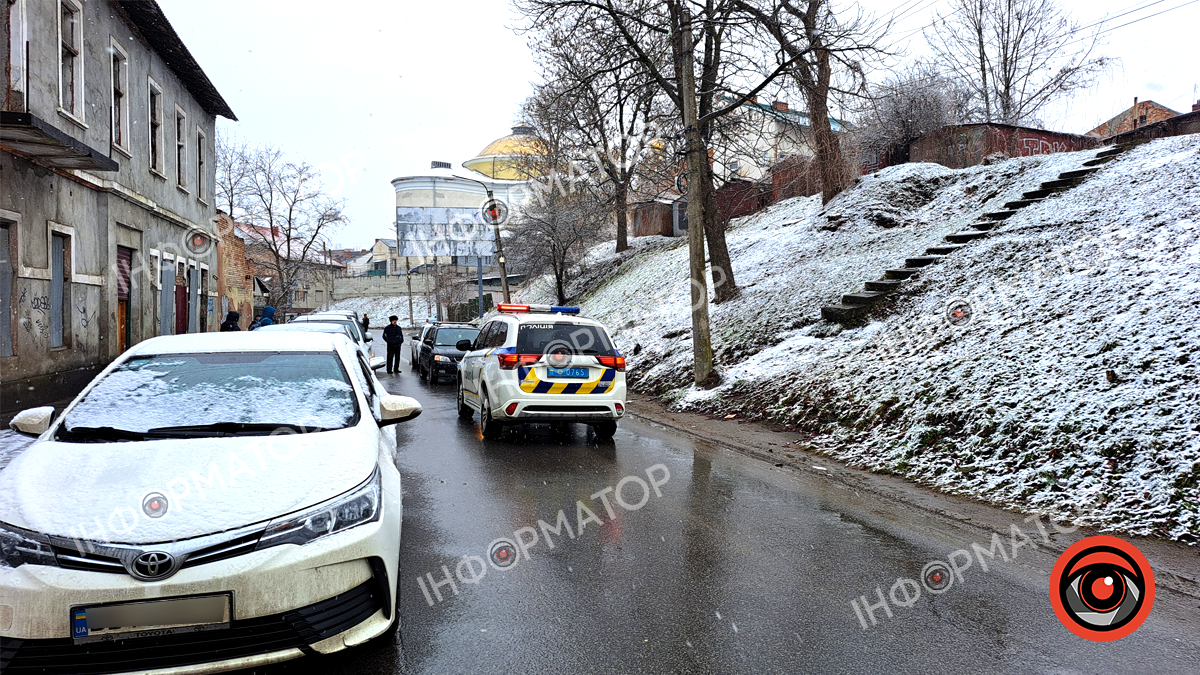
(153,565)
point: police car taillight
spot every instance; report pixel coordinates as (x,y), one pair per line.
(512,308)
(617,362)
(511,361)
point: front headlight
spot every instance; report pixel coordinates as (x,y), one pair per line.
(445,359)
(23,547)
(356,507)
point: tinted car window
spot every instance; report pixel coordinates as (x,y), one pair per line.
(539,338)
(501,335)
(448,337)
(483,341)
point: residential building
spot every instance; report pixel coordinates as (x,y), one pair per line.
(1141,114)
(106,211)
(288,278)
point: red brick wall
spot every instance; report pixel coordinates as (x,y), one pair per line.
(1145,112)
(966,145)
(235,273)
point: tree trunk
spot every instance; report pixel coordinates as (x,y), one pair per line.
(725,287)
(697,159)
(828,150)
(622,213)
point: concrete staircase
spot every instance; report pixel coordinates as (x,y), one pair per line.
(855,306)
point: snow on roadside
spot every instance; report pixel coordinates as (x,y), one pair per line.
(1073,391)
(380,307)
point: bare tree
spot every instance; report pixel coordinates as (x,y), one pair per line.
(1014,56)
(289,218)
(918,100)
(234,167)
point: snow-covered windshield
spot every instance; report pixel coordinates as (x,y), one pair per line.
(238,392)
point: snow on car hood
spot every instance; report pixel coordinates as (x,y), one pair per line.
(97,491)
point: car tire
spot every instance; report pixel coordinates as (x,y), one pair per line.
(489,427)
(464,410)
(604,430)
(424,374)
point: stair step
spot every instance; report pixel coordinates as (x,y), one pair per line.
(921,261)
(1062,184)
(1021,203)
(964,237)
(902,273)
(1077,173)
(883,285)
(863,298)
(1037,194)
(1111,152)
(984,227)
(1099,161)
(999,215)
(943,249)
(840,313)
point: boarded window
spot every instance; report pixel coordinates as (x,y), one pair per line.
(6,294)
(59,289)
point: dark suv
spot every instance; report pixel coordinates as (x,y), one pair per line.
(439,356)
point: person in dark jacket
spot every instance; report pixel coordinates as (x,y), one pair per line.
(366,323)
(231,322)
(394,337)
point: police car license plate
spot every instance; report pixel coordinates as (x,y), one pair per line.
(568,372)
(153,618)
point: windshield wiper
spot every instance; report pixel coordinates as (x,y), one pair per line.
(228,429)
(98,434)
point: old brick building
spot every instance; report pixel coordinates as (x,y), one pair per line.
(1141,114)
(235,272)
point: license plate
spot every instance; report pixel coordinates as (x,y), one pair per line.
(569,372)
(151,618)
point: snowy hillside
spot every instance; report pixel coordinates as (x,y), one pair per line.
(1073,390)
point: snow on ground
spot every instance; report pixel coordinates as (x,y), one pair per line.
(1072,390)
(380,307)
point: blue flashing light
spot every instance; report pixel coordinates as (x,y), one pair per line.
(565,310)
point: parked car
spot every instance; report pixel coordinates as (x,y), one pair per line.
(360,336)
(416,340)
(536,363)
(439,355)
(189,534)
(340,328)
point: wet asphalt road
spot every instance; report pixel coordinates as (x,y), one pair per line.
(736,568)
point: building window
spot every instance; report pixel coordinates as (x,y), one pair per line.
(156,128)
(70,37)
(201,168)
(60,289)
(6,287)
(120,96)
(180,149)
(17,53)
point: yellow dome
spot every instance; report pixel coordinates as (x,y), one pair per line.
(497,160)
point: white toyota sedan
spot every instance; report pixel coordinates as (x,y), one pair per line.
(209,502)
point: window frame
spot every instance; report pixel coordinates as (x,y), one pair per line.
(201,166)
(119,113)
(77,113)
(67,276)
(18,56)
(181,160)
(155,133)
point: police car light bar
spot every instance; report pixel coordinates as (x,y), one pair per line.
(541,309)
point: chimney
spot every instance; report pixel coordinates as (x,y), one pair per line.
(1196,105)
(780,106)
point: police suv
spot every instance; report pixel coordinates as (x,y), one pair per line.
(537,363)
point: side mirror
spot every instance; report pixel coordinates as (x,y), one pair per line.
(395,409)
(378,362)
(464,345)
(33,422)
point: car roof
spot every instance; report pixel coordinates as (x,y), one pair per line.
(327,327)
(240,341)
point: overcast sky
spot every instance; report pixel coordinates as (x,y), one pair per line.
(372,90)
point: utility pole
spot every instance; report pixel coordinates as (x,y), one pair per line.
(407,270)
(479,279)
(702,357)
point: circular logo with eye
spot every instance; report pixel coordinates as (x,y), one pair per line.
(198,242)
(959,313)
(1102,588)
(503,554)
(559,354)
(936,577)
(495,212)
(154,505)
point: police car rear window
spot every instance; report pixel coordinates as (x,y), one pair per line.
(540,338)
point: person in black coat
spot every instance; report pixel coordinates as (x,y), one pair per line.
(394,337)
(366,324)
(231,322)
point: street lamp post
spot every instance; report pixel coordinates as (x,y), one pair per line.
(499,245)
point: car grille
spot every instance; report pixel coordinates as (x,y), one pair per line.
(250,637)
(103,557)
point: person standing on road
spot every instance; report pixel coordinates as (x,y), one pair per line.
(394,337)
(231,322)
(366,324)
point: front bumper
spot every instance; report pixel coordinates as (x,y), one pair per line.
(443,368)
(279,596)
